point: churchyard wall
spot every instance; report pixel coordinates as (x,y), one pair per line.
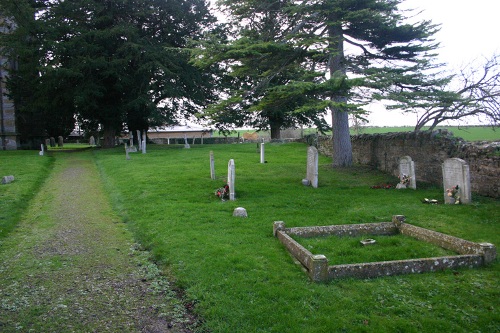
(428,150)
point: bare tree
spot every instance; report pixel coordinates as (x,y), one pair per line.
(473,92)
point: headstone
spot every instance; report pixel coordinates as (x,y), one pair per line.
(262,153)
(312,167)
(212,165)
(92,141)
(456,173)
(126,152)
(7,179)
(139,140)
(131,138)
(41,151)
(407,170)
(52,142)
(144,142)
(47,142)
(240,212)
(186,144)
(231,178)
(60,141)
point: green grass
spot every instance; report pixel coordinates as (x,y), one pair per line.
(29,171)
(349,250)
(242,279)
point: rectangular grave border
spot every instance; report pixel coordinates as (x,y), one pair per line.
(470,254)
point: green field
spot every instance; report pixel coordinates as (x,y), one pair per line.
(239,278)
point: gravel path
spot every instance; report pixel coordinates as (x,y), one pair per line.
(71,265)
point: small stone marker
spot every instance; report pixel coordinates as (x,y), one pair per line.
(230,179)
(240,212)
(52,142)
(312,167)
(456,173)
(7,179)
(212,165)
(41,151)
(186,144)
(407,168)
(92,141)
(60,141)
(262,153)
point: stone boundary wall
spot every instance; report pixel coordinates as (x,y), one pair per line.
(470,254)
(428,150)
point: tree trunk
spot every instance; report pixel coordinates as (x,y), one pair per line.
(275,132)
(342,148)
(109,137)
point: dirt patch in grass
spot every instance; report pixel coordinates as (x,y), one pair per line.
(71,265)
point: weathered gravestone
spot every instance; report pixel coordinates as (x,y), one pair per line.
(312,167)
(186,143)
(47,143)
(144,142)
(407,172)
(52,142)
(212,165)
(126,152)
(7,179)
(139,146)
(92,141)
(456,181)
(131,139)
(240,212)
(60,141)
(41,150)
(231,178)
(262,153)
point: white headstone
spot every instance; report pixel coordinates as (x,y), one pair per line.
(7,179)
(144,142)
(231,178)
(312,166)
(212,165)
(262,153)
(186,144)
(407,168)
(456,173)
(92,141)
(41,151)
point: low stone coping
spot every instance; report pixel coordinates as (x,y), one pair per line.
(469,254)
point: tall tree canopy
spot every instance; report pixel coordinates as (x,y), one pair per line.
(110,63)
(323,55)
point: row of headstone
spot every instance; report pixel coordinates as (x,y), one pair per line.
(141,144)
(456,179)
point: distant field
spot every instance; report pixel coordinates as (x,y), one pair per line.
(470,133)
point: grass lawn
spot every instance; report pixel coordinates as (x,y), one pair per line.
(29,171)
(241,279)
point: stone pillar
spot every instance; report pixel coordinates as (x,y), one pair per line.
(212,165)
(262,153)
(319,268)
(489,252)
(278,226)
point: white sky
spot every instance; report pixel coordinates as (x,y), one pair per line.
(468,32)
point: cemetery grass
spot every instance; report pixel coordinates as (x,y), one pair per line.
(29,171)
(239,278)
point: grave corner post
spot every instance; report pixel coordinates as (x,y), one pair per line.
(278,226)
(489,252)
(319,268)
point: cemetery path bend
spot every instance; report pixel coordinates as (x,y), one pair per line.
(71,265)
